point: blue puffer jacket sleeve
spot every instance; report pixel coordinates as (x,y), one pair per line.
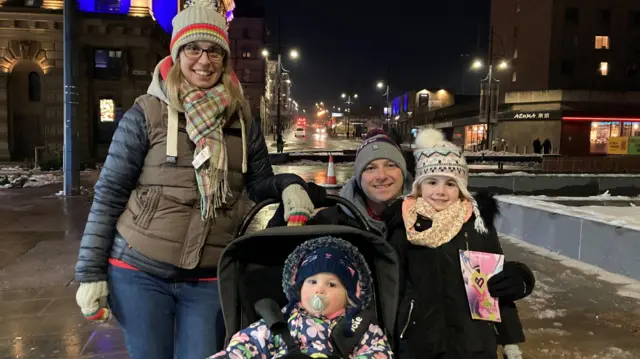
(261,183)
(118,178)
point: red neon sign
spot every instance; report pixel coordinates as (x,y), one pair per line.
(600,119)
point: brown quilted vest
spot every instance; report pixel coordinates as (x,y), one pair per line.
(162,219)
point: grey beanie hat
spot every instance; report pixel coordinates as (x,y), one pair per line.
(376,148)
(201,21)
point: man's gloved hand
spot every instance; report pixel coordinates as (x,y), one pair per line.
(92,300)
(511,351)
(515,282)
(298,207)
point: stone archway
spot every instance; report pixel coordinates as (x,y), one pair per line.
(24,112)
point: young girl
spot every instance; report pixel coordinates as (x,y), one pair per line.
(324,279)
(428,230)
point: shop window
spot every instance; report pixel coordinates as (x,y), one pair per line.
(604,68)
(107,110)
(475,137)
(601,132)
(108,64)
(34,87)
(602,43)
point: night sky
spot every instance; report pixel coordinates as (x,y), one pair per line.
(347,46)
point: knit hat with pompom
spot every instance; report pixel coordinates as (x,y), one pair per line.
(437,157)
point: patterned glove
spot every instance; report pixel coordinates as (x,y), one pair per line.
(511,351)
(92,300)
(298,207)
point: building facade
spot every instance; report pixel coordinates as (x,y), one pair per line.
(116,48)
(571,77)
(247,36)
(113,61)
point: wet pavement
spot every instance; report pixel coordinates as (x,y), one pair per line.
(573,313)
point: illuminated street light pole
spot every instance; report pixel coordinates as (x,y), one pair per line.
(490,81)
(380,85)
(293,54)
(349,102)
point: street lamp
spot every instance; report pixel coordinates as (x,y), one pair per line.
(490,81)
(349,102)
(293,54)
(381,85)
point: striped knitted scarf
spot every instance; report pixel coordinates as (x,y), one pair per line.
(205,113)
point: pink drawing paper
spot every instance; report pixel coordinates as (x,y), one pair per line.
(477,268)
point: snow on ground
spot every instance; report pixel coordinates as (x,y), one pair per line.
(627,287)
(628,216)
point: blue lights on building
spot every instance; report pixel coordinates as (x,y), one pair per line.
(163,11)
(105,6)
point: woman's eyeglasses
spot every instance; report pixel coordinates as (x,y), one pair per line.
(192,51)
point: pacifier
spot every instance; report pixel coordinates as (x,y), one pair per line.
(317,303)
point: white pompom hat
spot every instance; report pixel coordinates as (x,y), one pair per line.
(435,156)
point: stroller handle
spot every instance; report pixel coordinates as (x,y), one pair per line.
(330,200)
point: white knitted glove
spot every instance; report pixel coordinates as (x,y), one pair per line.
(298,207)
(512,351)
(92,300)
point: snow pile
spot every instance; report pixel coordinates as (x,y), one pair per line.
(627,216)
(29,181)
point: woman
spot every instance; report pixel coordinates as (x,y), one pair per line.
(168,198)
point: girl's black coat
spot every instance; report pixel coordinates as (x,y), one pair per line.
(434,318)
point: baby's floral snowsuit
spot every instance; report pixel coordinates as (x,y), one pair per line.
(312,334)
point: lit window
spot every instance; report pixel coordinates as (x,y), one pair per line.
(107,110)
(514,77)
(602,42)
(604,68)
(515,53)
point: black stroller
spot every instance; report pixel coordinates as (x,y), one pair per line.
(250,275)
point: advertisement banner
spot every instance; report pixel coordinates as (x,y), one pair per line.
(618,146)
(634,145)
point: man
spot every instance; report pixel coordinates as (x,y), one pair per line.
(381,175)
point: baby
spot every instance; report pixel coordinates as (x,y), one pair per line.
(325,279)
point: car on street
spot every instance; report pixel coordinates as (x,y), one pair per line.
(299,132)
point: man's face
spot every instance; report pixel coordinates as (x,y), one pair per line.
(382,181)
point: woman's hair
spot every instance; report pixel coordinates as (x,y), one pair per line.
(175,78)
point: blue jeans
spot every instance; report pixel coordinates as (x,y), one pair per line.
(165,319)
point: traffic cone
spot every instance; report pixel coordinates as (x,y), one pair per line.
(331,172)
